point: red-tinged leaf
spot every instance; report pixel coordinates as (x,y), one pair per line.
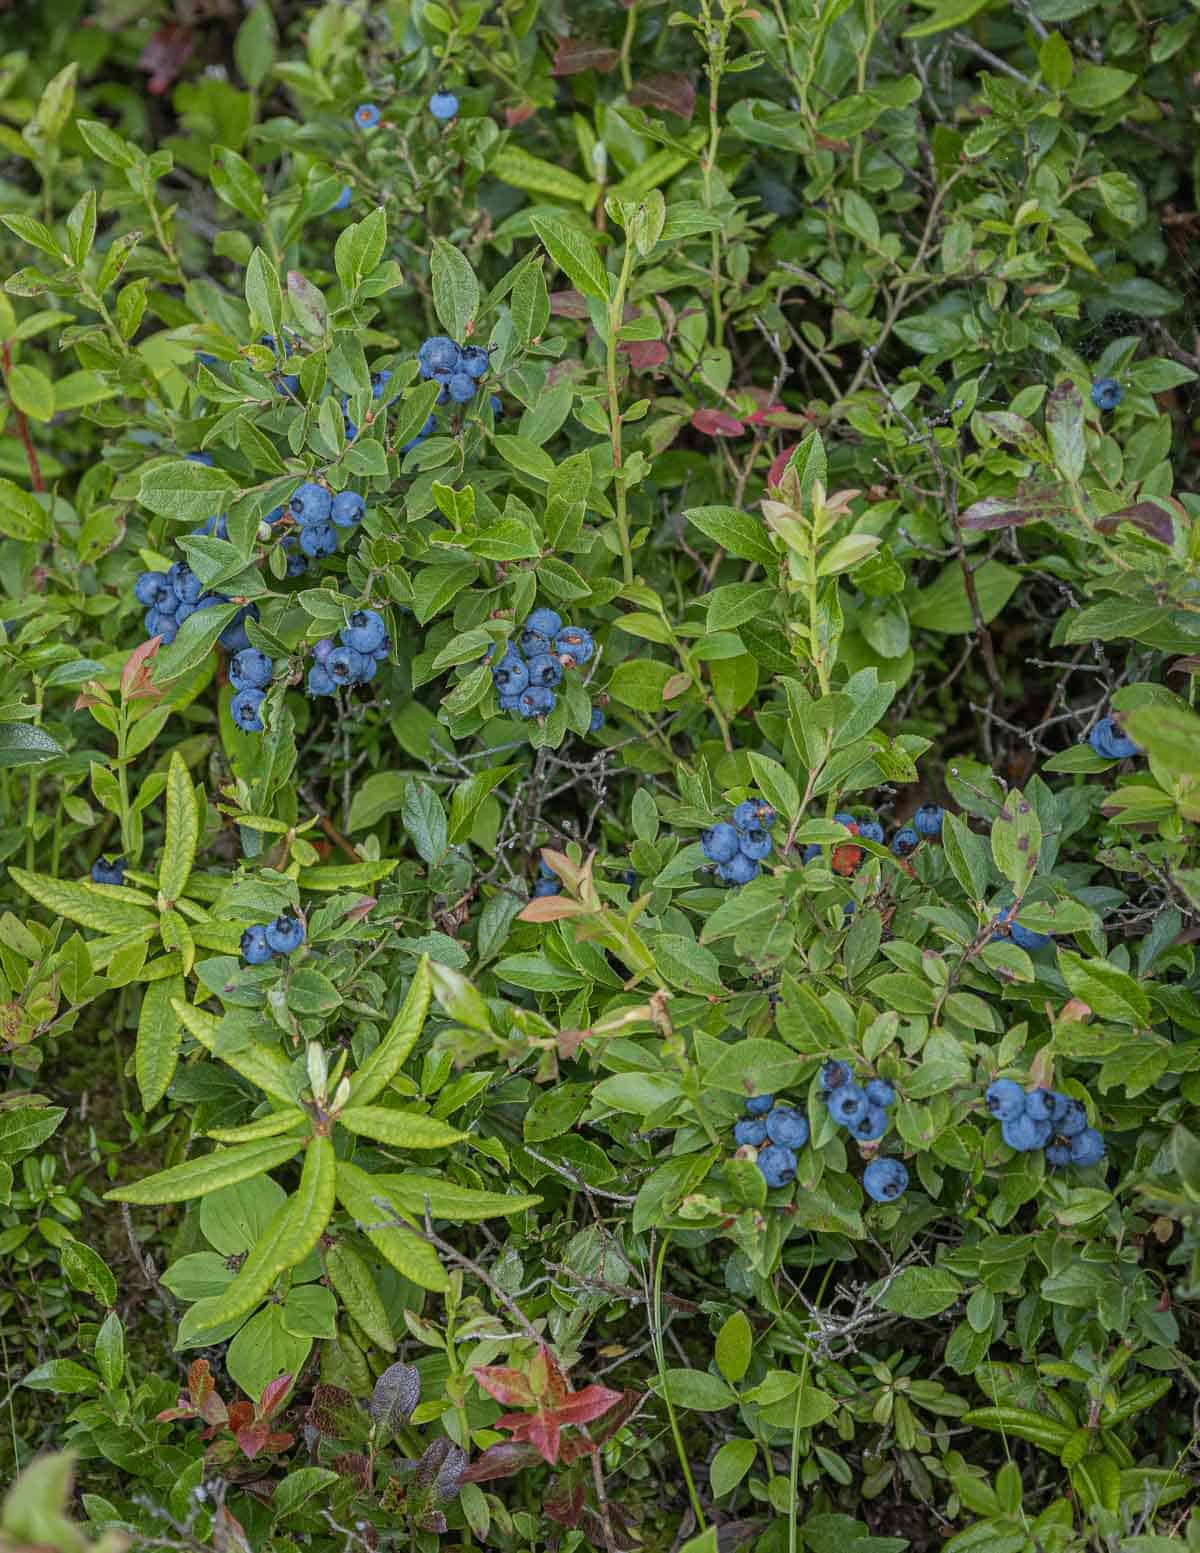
(352,1464)
(575,55)
(824,143)
(563,1501)
(769,415)
(510,1387)
(362,910)
(644,355)
(551,908)
(779,464)
(273,1394)
(618,1415)
(540,1429)
(279,1440)
(546,1379)
(170,1414)
(165,55)
(85,699)
(572,1446)
(518,115)
(676,685)
(135,675)
(200,1381)
(251,1440)
(502,1461)
(241,1416)
(671,93)
(568,304)
(1146,515)
(997,512)
(582,1406)
(228,1533)
(717,423)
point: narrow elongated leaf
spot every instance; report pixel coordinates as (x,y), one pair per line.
(407,1252)
(83,903)
(574,254)
(261,1065)
(355,1287)
(448,1200)
(388,1057)
(455,289)
(183,831)
(265,1127)
(209,1173)
(157,1051)
(399,1128)
(257,1273)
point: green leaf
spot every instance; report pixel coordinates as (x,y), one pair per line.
(61,1375)
(196,639)
(425,821)
(1017,840)
(157,1051)
(407,1252)
(1096,86)
(696,1390)
(402,1129)
(110,1348)
(22,744)
(25,1127)
(237,183)
(254,46)
(448,1200)
(1064,429)
(735,1344)
(1108,991)
(944,606)
(86,904)
(264,1066)
(575,255)
(684,963)
(730,1465)
(264,295)
(753,1066)
(639,683)
(514,166)
(949,13)
(208,1173)
(301,1483)
(455,289)
(1056,61)
(736,532)
(23,517)
(182,831)
(88,1271)
(32,392)
(392,1052)
(354,1285)
(184,491)
(468,797)
(920,1292)
(233,1219)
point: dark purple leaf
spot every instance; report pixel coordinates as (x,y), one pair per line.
(717,423)
(644,355)
(670,93)
(165,55)
(501,1461)
(396,1394)
(568,304)
(575,55)
(997,512)
(1146,515)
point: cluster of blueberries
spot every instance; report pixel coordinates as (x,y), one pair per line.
(352,660)
(776,1131)
(250,674)
(527,675)
(1044,1119)
(860,1108)
(318,514)
(456,368)
(1107,740)
(1107,393)
(106,870)
(170,597)
(547,881)
(283,936)
(442,105)
(925,825)
(737,850)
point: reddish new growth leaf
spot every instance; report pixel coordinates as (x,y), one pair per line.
(136,683)
(568,304)
(547,1389)
(165,55)
(670,93)
(644,355)
(575,55)
(780,463)
(518,115)
(717,423)
(248,1424)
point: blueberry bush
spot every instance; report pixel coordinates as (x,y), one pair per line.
(599,780)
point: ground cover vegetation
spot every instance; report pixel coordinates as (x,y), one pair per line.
(598,776)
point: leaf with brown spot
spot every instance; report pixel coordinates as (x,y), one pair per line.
(1146,515)
(575,55)
(670,93)
(568,304)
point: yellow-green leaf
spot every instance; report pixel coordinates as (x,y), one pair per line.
(182,833)
(157,1051)
(386,1060)
(257,1273)
(209,1173)
(265,1127)
(83,903)
(381,1223)
(531,173)
(355,1287)
(32,392)
(447,1200)
(261,1065)
(402,1129)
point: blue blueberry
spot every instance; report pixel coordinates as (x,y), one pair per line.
(752,1131)
(927,821)
(323,648)
(1023,937)
(347,509)
(461,387)
(148,587)
(289,383)
(497,405)
(905,841)
(233,638)
(575,642)
(1107,740)
(596,721)
(834,1074)
(168,602)
(811,851)
(108,870)
(245,708)
(1087,1148)
(720,843)
(160,625)
(847,1103)
(311,503)
(786,1125)
(885,1179)
(320,681)
(285,934)
(880,1092)
(753,814)
(184,583)
(202,458)
(438,355)
(475,360)
(379,383)
(843,817)
(366,115)
(365,631)
(1039,1103)
(345,666)
(1073,1120)
(343,200)
(1107,393)
(427,430)
(317,540)
(759,1105)
(443,106)
(739,870)
(544,670)
(510,676)
(255,948)
(1026,1133)
(1005,1099)
(778,1165)
(535,701)
(1058,1154)
(754,843)
(871,1126)
(547,887)
(546,622)
(871,830)
(250,670)
(533,644)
